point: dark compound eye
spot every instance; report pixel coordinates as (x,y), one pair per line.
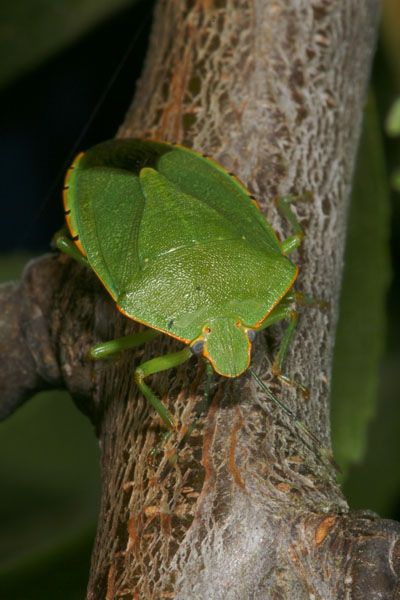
(251,334)
(198,347)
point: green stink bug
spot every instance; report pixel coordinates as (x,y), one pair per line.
(182,247)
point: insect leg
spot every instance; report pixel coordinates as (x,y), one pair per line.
(284,310)
(106,349)
(283,204)
(200,410)
(66,245)
(155,365)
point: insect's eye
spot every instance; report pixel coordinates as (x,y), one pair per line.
(251,334)
(238,324)
(208,330)
(197,347)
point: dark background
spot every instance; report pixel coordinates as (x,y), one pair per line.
(44,116)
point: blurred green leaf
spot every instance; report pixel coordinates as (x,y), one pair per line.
(375,482)
(50,493)
(32,31)
(50,476)
(61,573)
(395,180)
(362,322)
(11,265)
(392,123)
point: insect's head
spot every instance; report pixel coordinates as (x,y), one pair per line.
(226,342)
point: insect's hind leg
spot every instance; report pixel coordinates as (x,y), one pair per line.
(128,342)
(64,243)
(111,350)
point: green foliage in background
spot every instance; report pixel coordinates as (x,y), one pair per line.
(33,31)
(362,321)
(50,493)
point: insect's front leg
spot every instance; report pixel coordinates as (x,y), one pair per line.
(155,365)
(286,310)
(188,432)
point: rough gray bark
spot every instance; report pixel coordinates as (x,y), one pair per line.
(273,90)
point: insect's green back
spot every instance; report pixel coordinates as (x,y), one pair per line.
(179,243)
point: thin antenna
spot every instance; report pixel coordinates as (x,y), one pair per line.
(299,424)
(73,150)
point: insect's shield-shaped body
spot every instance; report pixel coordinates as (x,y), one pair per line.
(179,243)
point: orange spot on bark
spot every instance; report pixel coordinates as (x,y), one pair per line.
(295,459)
(284,487)
(150,511)
(132,530)
(232,464)
(165,520)
(323,529)
(127,485)
(110,582)
(204,4)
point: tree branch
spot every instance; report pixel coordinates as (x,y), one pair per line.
(274,90)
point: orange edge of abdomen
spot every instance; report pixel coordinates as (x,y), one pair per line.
(122,311)
(279,299)
(67,209)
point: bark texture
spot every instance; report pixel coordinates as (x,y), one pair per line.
(273,90)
